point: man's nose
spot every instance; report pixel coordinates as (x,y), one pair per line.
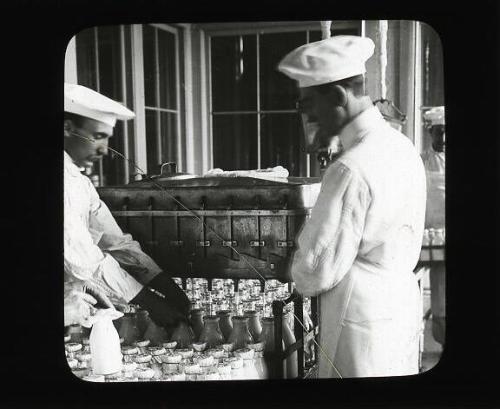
(102,148)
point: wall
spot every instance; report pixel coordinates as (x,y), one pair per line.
(400,70)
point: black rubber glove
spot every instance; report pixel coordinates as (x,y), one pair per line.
(160,311)
(174,295)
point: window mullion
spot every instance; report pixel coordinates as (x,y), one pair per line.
(179,139)
(258,102)
(138,83)
(158,114)
(98,86)
(126,174)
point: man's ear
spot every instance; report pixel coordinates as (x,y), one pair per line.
(68,127)
(338,95)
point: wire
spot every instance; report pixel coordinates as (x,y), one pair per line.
(242,256)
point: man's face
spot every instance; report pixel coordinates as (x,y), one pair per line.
(438,138)
(90,145)
(323,117)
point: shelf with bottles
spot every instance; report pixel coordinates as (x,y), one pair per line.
(143,361)
(226,324)
(433,246)
(262,299)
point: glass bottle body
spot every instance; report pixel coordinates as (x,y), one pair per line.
(183,335)
(254,326)
(225,324)
(197,322)
(240,337)
(211,333)
(291,371)
(128,329)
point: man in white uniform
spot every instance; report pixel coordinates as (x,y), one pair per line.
(434,162)
(363,239)
(98,256)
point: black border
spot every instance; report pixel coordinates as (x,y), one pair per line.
(31,359)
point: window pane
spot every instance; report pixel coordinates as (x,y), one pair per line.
(168,137)
(152,142)
(281,143)
(432,79)
(150,72)
(235,141)
(110,65)
(166,61)
(86,58)
(316,35)
(130,100)
(276,89)
(234,68)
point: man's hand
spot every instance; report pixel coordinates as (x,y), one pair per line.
(78,307)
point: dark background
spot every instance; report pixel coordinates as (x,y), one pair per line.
(32,362)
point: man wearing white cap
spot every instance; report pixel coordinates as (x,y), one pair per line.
(434,162)
(363,239)
(98,256)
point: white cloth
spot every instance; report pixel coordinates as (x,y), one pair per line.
(86,102)
(359,248)
(329,60)
(435,163)
(91,235)
(105,343)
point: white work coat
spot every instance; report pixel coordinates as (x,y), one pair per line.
(434,163)
(94,244)
(358,251)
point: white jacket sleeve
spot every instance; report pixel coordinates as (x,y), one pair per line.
(120,245)
(329,241)
(85,261)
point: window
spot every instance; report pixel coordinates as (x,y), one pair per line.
(254,120)
(161,96)
(431,81)
(105,62)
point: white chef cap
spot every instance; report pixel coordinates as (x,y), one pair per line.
(329,60)
(83,101)
(435,116)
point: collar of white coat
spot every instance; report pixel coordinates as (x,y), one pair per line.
(70,167)
(360,125)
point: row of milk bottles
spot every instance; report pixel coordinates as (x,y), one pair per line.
(237,321)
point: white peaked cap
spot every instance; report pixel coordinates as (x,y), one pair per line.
(86,102)
(435,116)
(329,60)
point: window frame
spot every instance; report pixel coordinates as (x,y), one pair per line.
(228,29)
(137,92)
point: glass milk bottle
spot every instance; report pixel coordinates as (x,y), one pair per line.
(288,339)
(240,337)
(197,322)
(267,338)
(211,333)
(128,329)
(254,325)
(225,323)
